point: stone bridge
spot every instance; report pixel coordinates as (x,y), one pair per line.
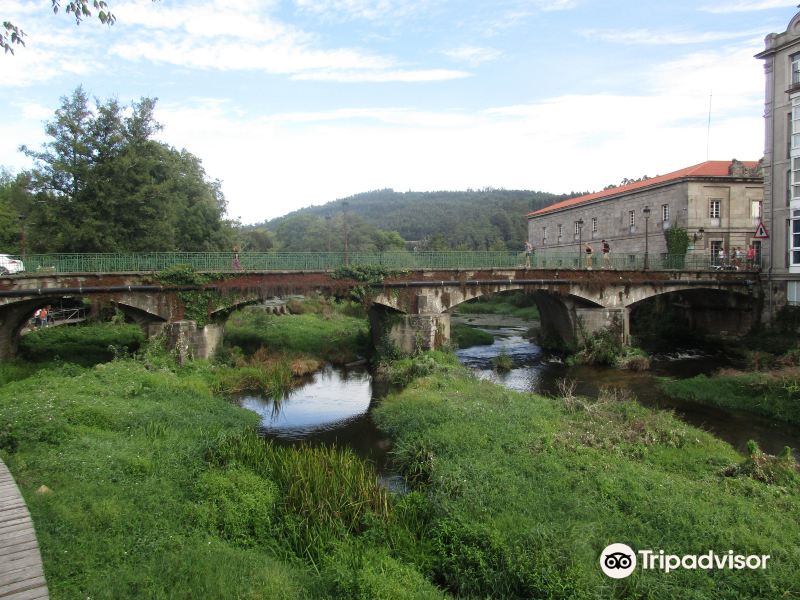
(410,309)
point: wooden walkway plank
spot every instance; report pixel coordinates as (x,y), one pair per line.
(21,572)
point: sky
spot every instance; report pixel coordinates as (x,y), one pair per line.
(291,103)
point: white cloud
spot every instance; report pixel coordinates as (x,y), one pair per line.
(382,76)
(280,162)
(370,10)
(653,38)
(473,55)
(748,6)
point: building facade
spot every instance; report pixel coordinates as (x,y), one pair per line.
(782,164)
(719,203)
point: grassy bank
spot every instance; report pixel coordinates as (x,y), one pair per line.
(774,394)
(327,331)
(524,492)
(85,344)
(465,336)
(156,488)
(518,305)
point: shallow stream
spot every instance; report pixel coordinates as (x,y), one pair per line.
(333,406)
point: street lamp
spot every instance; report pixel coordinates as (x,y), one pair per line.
(646,212)
(22,236)
(579,223)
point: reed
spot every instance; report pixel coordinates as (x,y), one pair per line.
(326,493)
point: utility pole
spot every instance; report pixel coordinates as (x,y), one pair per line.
(345,204)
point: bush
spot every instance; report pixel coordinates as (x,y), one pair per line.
(465,336)
(503,362)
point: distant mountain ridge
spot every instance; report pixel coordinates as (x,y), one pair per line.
(474,219)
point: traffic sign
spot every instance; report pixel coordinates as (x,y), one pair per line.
(761,231)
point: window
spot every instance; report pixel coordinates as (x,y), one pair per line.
(793,293)
(578,227)
(632,218)
(594,224)
(560,231)
(788,187)
(756,206)
(795,177)
(794,124)
(544,234)
(714,209)
(665,213)
(795,58)
(795,241)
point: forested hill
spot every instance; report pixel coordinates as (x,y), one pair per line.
(482,219)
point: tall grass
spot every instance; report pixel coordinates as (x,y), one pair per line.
(465,336)
(332,336)
(517,304)
(85,344)
(772,394)
(326,493)
(525,492)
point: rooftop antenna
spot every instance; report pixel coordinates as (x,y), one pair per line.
(708,127)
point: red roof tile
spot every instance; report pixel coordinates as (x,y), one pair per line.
(711,168)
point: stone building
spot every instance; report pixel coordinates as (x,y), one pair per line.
(782,164)
(717,202)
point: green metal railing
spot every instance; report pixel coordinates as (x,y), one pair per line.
(324,261)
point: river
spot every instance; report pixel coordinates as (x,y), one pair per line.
(333,405)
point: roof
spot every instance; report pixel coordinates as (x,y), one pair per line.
(710,168)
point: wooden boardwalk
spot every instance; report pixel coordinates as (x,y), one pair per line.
(21,573)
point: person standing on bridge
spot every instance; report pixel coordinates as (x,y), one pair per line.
(235,264)
(605,248)
(589,251)
(529,250)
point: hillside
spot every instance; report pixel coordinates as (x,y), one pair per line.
(482,219)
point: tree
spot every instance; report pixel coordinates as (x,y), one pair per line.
(11,35)
(102,184)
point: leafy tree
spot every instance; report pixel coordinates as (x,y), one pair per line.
(11,35)
(102,184)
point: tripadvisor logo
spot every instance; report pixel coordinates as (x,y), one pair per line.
(619,560)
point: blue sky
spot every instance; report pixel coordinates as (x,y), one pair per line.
(298,102)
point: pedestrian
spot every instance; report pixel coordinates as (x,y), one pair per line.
(235,264)
(37,318)
(43,317)
(606,250)
(589,253)
(751,257)
(529,250)
(721,257)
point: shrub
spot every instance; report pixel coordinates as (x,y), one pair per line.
(503,362)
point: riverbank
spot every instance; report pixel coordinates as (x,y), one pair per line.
(160,488)
(526,491)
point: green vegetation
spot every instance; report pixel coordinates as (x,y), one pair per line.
(488,219)
(517,304)
(605,348)
(503,362)
(769,385)
(521,494)
(85,344)
(324,330)
(772,394)
(159,488)
(102,183)
(465,336)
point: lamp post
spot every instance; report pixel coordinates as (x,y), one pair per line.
(646,212)
(579,223)
(22,236)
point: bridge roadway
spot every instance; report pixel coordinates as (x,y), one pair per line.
(569,299)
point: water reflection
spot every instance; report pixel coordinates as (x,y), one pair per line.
(535,372)
(331,408)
